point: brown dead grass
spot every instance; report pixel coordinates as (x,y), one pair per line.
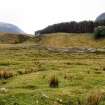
(62,40)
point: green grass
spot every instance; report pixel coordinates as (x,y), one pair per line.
(78,73)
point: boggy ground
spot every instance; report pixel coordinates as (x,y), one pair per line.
(81,76)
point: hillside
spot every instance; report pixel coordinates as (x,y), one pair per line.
(69,40)
(10,28)
(12,38)
(101,17)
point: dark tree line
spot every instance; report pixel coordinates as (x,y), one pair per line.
(72,27)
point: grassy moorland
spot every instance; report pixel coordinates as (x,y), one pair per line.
(81,76)
(62,40)
(12,38)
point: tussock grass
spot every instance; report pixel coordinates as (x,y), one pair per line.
(4,74)
(25,71)
(53,81)
(94,97)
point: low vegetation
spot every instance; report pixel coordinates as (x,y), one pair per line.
(12,38)
(42,77)
(71,40)
(99,32)
(53,82)
(94,98)
(4,74)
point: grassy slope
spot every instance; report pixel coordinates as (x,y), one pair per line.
(71,40)
(78,75)
(12,38)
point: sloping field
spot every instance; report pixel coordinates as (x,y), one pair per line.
(68,40)
(12,38)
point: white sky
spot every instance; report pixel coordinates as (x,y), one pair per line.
(32,15)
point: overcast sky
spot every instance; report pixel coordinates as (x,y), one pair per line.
(32,15)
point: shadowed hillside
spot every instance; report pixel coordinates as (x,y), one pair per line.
(71,27)
(101,17)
